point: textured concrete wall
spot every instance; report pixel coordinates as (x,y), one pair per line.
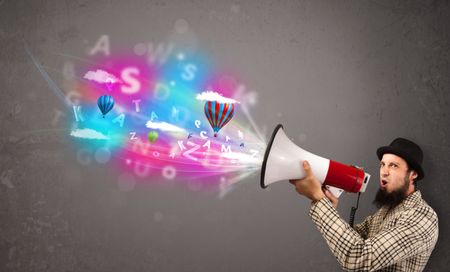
(344,77)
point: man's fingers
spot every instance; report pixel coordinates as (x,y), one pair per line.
(307,168)
(329,194)
(334,200)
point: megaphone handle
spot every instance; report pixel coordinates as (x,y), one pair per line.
(353,211)
(335,191)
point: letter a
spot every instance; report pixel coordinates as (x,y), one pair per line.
(102,45)
(119,119)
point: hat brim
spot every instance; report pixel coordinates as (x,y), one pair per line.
(412,163)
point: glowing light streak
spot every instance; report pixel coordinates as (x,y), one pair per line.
(56,90)
(242,158)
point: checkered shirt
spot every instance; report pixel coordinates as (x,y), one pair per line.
(398,239)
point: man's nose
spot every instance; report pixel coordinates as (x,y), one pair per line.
(384,172)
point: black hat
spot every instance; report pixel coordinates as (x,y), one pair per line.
(408,150)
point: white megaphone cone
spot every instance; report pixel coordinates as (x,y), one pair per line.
(282,162)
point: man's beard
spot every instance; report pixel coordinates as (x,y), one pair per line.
(384,198)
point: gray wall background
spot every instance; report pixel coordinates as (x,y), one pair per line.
(344,77)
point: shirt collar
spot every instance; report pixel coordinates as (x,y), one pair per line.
(412,200)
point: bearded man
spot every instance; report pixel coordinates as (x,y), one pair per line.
(400,236)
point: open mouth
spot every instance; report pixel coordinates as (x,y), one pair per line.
(383,183)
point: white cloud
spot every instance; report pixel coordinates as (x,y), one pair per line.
(87,133)
(101,76)
(214,96)
(163,126)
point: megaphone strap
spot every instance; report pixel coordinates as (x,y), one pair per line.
(353,211)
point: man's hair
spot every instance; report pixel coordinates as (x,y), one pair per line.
(408,171)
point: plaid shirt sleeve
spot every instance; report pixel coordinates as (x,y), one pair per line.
(363,228)
(411,235)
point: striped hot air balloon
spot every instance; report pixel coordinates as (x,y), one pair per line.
(218,114)
(105,104)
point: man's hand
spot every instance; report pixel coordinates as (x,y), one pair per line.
(309,186)
(334,200)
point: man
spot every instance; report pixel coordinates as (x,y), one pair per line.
(400,236)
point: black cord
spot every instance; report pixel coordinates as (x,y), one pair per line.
(353,211)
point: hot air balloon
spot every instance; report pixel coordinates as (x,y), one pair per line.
(218,114)
(152,136)
(105,104)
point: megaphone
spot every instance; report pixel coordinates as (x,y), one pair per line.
(282,162)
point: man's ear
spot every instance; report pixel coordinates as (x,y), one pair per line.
(414,174)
